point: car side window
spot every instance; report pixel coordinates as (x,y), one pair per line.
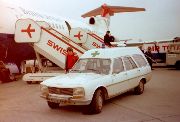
(139,60)
(105,66)
(129,63)
(118,66)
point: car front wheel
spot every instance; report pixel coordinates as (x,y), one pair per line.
(177,65)
(97,102)
(53,105)
(29,82)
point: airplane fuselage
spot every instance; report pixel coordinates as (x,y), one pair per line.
(17,52)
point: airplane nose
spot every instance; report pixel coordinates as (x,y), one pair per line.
(7,21)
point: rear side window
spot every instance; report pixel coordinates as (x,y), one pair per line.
(129,63)
(139,60)
(118,66)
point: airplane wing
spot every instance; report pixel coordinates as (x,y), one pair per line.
(104,9)
(118,9)
(94,12)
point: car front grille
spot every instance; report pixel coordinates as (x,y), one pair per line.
(61,91)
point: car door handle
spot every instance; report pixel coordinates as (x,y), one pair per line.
(125,73)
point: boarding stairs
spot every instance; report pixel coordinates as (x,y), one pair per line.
(52,44)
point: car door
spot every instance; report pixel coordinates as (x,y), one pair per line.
(119,77)
(142,65)
(133,72)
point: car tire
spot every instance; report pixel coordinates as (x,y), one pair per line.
(97,102)
(29,82)
(140,88)
(53,105)
(5,75)
(177,65)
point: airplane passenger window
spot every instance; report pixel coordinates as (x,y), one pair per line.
(28,12)
(118,66)
(56,25)
(33,13)
(59,26)
(53,25)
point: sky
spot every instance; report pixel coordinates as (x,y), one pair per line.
(160,21)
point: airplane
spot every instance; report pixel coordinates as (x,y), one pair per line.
(10,51)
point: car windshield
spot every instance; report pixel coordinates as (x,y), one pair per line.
(94,65)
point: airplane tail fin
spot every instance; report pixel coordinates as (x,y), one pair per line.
(107,11)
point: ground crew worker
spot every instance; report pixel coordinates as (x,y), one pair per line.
(141,48)
(107,39)
(71,59)
(149,56)
(2,52)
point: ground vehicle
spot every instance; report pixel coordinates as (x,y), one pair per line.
(173,55)
(98,75)
(4,73)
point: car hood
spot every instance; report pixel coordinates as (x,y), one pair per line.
(71,80)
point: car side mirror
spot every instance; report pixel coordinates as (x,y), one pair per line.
(114,74)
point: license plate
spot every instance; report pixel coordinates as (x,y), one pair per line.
(61,101)
(64,102)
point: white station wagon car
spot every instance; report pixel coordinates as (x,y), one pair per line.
(98,75)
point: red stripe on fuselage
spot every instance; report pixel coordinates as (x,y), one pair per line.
(62,40)
(97,38)
(67,38)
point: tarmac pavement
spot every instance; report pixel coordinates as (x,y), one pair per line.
(160,102)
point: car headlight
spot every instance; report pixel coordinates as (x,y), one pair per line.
(78,92)
(44,90)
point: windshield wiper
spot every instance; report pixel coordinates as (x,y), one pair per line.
(75,70)
(95,70)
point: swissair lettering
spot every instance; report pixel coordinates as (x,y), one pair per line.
(57,47)
(96,45)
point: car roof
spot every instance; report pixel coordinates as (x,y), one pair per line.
(111,52)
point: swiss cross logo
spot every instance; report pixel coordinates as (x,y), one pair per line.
(28,30)
(105,10)
(95,53)
(78,35)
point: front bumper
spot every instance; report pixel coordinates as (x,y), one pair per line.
(65,100)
